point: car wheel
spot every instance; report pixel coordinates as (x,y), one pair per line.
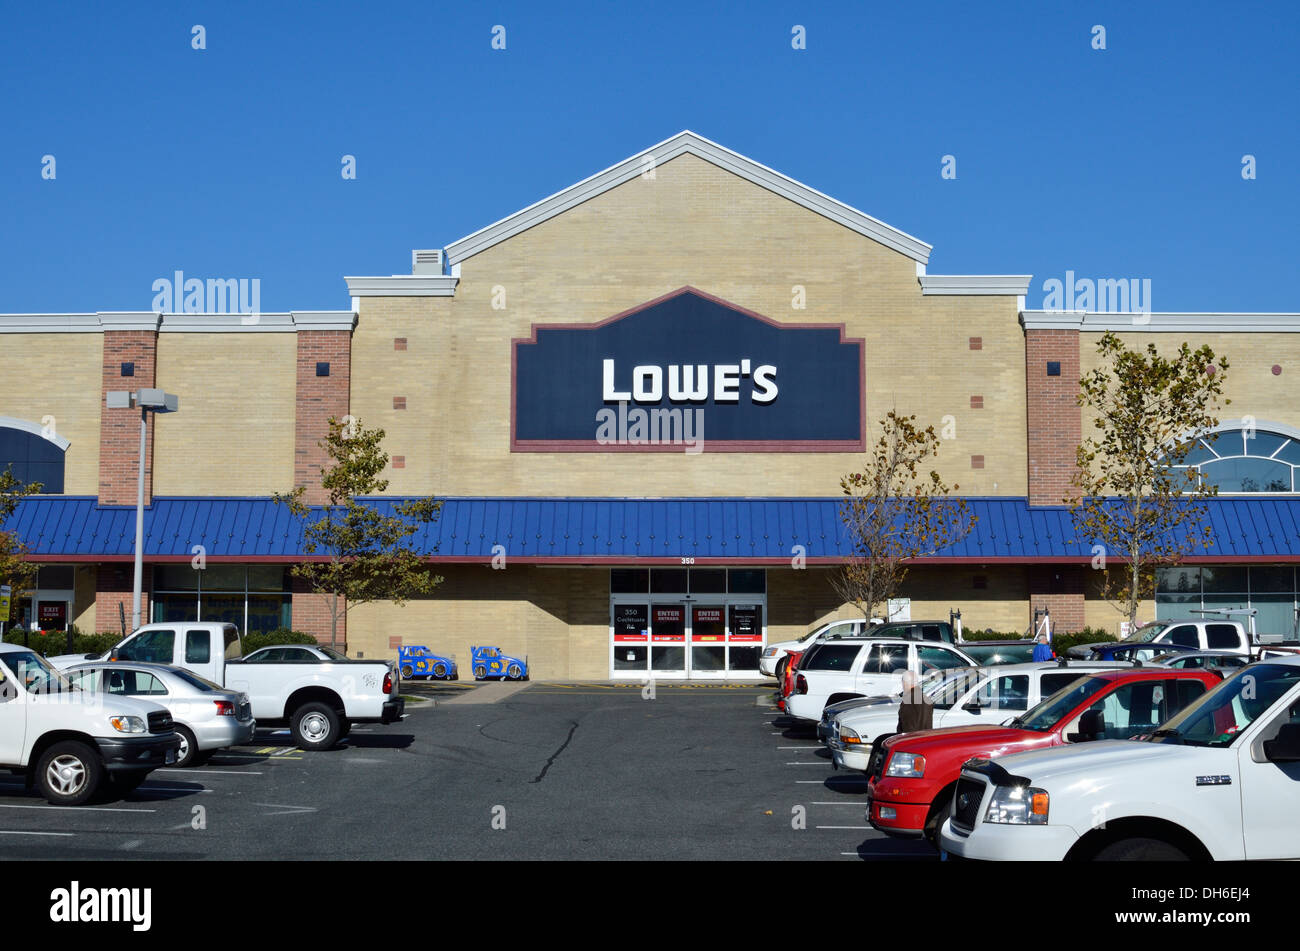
(345,727)
(1141,850)
(781,665)
(188,754)
(440,671)
(515,672)
(123,783)
(406,671)
(69,773)
(479,672)
(315,726)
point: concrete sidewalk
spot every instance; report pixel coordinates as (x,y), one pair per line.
(488,693)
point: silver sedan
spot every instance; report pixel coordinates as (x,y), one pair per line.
(208,717)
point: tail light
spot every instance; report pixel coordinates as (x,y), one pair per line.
(801,685)
(225,708)
(388,682)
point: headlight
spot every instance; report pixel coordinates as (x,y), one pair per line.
(1018,805)
(769,652)
(850,736)
(906,765)
(127,724)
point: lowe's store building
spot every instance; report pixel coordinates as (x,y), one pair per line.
(637,398)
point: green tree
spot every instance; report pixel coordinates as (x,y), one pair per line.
(1131,498)
(894,512)
(16,571)
(363,554)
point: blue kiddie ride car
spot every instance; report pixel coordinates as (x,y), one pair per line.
(419,661)
(488,662)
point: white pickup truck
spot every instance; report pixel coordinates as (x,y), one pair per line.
(1218,781)
(74,744)
(318,700)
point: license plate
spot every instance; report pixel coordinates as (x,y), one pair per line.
(170,757)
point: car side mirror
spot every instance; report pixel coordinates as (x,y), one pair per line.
(1091,725)
(972,707)
(1285,748)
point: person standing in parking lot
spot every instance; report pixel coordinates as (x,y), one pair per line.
(915,712)
(1043,650)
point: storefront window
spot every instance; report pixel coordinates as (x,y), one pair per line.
(1268,589)
(256,599)
(1245,460)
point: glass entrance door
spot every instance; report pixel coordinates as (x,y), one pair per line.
(668,639)
(708,639)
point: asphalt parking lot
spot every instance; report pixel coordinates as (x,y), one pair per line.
(555,771)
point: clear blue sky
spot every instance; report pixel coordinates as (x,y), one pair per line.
(226,162)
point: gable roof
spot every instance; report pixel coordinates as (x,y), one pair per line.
(684,143)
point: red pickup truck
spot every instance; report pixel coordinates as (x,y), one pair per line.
(913,775)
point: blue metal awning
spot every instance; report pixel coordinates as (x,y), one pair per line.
(589,530)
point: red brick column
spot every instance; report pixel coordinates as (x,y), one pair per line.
(113,586)
(319,398)
(119,429)
(1055,421)
(1059,588)
(311,615)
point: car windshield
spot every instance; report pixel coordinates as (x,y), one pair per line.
(332,653)
(1050,712)
(1222,714)
(34,673)
(1146,633)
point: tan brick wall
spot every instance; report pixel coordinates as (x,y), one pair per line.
(85,578)
(694,224)
(234,434)
(1106,615)
(1251,385)
(557,617)
(58,375)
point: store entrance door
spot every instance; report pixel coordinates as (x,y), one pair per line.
(668,639)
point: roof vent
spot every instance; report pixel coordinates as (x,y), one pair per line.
(426,262)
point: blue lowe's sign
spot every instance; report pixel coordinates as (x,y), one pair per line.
(688,371)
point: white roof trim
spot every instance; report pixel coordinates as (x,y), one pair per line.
(1002,285)
(324,319)
(178,323)
(226,323)
(49,324)
(683,143)
(403,285)
(129,320)
(9,422)
(1160,323)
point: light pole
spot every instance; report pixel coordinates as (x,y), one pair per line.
(148,401)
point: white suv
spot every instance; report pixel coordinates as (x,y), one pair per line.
(864,667)
(774,657)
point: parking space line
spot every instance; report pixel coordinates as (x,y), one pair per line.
(799,747)
(844,827)
(819,781)
(78,808)
(67,834)
(212,772)
(842,802)
(806,763)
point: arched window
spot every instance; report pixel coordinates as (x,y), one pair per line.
(32,454)
(1248,456)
